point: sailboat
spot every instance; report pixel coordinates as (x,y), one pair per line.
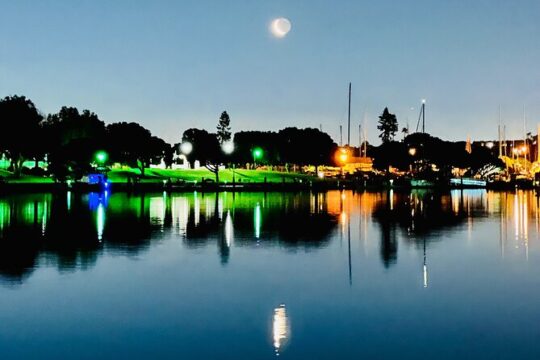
(425,179)
(360,163)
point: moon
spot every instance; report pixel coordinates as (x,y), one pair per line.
(280,27)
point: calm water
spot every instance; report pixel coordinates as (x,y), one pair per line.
(255,276)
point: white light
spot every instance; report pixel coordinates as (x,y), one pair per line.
(228,147)
(229,231)
(425,277)
(280,328)
(257,221)
(100,221)
(423,101)
(186,148)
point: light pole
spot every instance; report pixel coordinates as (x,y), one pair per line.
(186,148)
(257,154)
(342,156)
(101,158)
(412,152)
(228,148)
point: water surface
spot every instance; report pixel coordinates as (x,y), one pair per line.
(254,276)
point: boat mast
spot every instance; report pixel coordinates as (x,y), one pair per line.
(349,119)
(499,130)
(365,134)
(424,116)
(360,139)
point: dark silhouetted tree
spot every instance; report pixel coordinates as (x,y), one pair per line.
(224,128)
(134,145)
(21,131)
(307,146)
(246,141)
(391,153)
(72,141)
(388,126)
(206,149)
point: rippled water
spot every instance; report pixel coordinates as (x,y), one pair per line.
(248,276)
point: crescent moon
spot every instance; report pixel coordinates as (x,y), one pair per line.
(280,27)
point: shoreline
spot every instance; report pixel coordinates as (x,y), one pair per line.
(319,186)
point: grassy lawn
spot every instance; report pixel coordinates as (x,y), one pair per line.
(158,175)
(200,174)
(25,179)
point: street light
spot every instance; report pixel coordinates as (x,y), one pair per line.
(186,148)
(228,147)
(342,156)
(257,154)
(412,152)
(101,157)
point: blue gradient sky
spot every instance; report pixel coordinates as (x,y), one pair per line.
(171,65)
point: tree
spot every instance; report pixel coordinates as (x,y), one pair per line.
(307,146)
(224,128)
(73,138)
(205,148)
(246,141)
(134,145)
(391,153)
(405,132)
(21,131)
(388,126)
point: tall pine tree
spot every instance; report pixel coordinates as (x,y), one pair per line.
(388,126)
(224,128)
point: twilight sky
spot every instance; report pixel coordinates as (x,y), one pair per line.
(171,65)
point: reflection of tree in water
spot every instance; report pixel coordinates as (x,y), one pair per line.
(292,224)
(419,215)
(71,232)
(20,236)
(44,229)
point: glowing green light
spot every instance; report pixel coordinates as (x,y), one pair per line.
(101,157)
(69,200)
(257,153)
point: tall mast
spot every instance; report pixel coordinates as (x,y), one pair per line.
(360,139)
(499,131)
(365,134)
(537,144)
(524,135)
(505,142)
(349,119)
(340,135)
(424,116)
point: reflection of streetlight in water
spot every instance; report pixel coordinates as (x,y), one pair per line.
(280,328)
(425,266)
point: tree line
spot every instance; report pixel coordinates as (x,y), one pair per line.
(69,139)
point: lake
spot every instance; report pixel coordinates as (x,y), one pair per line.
(383,275)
